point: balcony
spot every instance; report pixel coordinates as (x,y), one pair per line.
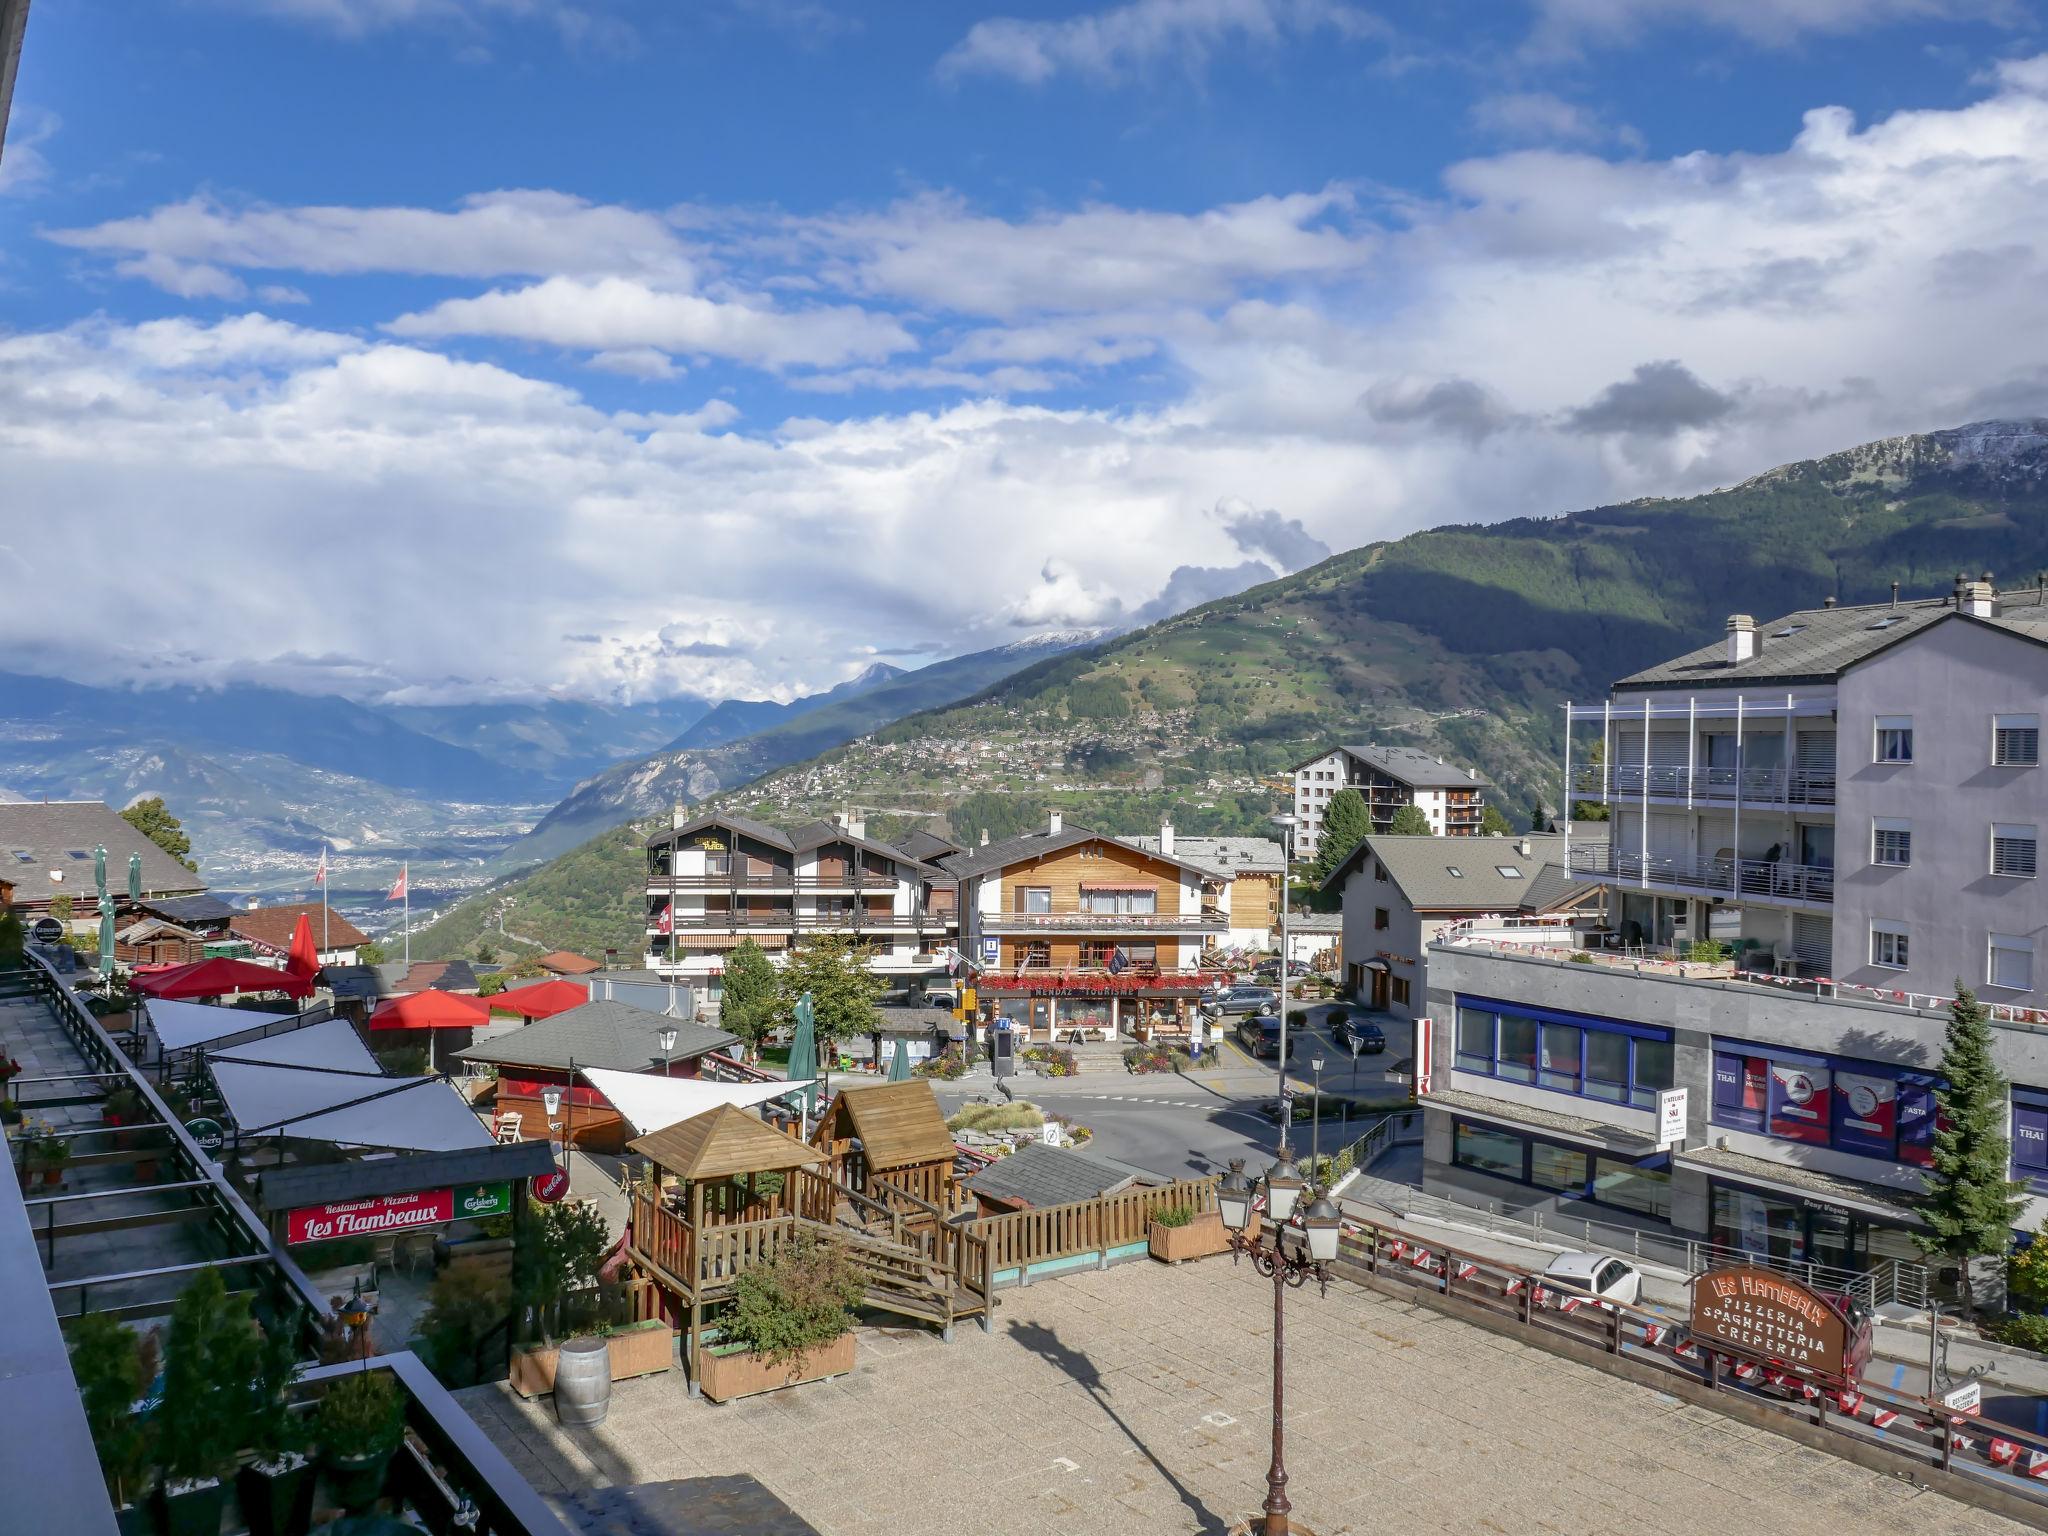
(660,883)
(1762,880)
(734,922)
(1800,787)
(1103,922)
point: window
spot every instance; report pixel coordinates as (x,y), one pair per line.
(1456,873)
(2012,851)
(1379,872)
(1559,1168)
(1894,739)
(23,856)
(1562,1048)
(1035,899)
(1869,1108)
(2030,1137)
(1037,955)
(1607,1066)
(1888,945)
(1517,1060)
(1633,1188)
(1120,901)
(1507,871)
(1475,1040)
(1381,918)
(1891,841)
(1787,632)
(1888,621)
(1487,1151)
(1572,1172)
(2012,962)
(1397,990)
(76,855)
(2016,740)
(1595,1058)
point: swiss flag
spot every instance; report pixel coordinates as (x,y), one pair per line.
(320,874)
(398,890)
(665,923)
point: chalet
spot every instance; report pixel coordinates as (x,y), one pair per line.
(1077,931)
(1247,874)
(47,848)
(268,931)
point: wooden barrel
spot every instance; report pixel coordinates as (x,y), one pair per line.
(583,1382)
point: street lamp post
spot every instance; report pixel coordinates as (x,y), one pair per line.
(1285,822)
(1315,1144)
(1301,1250)
(668,1043)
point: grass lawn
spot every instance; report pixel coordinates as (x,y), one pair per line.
(775,1056)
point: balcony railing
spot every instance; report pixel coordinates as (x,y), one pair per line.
(659,880)
(725,922)
(1753,786)
(1103,922)
(1754,879)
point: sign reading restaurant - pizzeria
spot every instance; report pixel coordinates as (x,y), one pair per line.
(396,1213)
(1762,1313)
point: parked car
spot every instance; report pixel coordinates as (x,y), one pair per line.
(1235,1000)
(1596,1275)
(1269,970)
(1261,1036)
(1372,1040)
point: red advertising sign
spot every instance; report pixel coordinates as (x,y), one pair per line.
(367,1218)
(550,1186)
(1425,1050)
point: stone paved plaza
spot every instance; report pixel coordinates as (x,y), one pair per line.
(1136,1400)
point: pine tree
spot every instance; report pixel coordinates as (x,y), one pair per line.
(155,822)
(1409,822)
(1971,1202)
(1346,823)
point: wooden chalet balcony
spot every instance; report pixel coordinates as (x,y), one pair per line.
(1104,922)
(827,922)
(660,883)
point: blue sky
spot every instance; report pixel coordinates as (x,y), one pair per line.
(723,347)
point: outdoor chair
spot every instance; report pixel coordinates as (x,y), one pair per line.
(506,1126)
(1783,961)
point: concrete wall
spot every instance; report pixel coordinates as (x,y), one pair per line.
(1951,680)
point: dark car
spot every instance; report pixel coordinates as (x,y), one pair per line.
(1261,1036)
(1233,1000)
(1269,970)
(1370,1037)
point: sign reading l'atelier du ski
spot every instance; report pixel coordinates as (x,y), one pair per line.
(396,1213)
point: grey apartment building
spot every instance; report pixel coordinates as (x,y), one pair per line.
(1850,800)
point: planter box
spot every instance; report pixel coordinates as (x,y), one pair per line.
(641,1349)
(1197,1240)
(742,1374)
(533,1369)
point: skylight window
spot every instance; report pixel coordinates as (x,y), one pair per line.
(23,856)
(78,854)
(1889,620)
(1456,873)
(1787,632)
(1508,870)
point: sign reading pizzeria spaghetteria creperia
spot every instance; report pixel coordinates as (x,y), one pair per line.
(1761,1313)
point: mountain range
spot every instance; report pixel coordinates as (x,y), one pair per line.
(1460,640)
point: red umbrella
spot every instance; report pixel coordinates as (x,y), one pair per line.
(542,1000)
(212,978)
(303,960)
(431,1009)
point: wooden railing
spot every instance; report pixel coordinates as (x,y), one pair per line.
(663,1238)
(1024,1238)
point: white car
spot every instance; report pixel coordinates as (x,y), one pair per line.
(1596,1275)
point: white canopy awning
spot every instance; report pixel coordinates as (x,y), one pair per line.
(332,1043)
(358,1109)
(180,1026)
(650,1103)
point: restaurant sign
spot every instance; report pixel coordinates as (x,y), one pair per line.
(1762,1313)
(396,1213)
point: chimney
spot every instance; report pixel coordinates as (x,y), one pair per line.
(1471,773)
(1524,848)
(1978,598)
(675,815)
(1962,581)
(984,837)
(1166,838)
(1742,638)
(1053,823)
(1827,602)
(855,822)
(1895,594)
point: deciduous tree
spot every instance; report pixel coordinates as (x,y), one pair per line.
(843,990)
(748,995)
(1493,824)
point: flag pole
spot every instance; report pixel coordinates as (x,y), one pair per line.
(405,888)
(324,883)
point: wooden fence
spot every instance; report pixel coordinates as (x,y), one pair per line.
(1025,1238)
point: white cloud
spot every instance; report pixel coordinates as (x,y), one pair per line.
(1537,117)
(1140,34)
(1770,22)
(24,168)
(617,313)
(637,363)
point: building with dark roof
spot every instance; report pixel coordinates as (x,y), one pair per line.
(1036,1175)
(268,931)
(1247,871)
(563,962)
(1451,797)
(46,851)
(715,881)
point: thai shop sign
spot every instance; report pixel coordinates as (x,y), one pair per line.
(1762,1313)
(396,1213)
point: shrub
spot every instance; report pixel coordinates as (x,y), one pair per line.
(2027,1272)
(211,1356)
(947,1066)
(990,1118)
(799,1301)
(2025,1330)
(1580,957)
(360,1416)
(107,1362)
(1707,951)
(463,1306)
(1153,1058)
(1173,1215)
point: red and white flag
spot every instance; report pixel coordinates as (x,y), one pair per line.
(1884,1418)
(1849,1400)
(666,923)
(2003,1453)
(2037,1464)
(320,874)
(398,890)
(1466,1269)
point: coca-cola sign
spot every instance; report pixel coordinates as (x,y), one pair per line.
(369,1218)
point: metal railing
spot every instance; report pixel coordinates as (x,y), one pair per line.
(1752,786)
(1089,922)
(1763,879)
(660,881)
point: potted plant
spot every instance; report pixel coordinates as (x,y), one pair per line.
(359,1425)
(276,1485)
(113,1368)
(791,1321)
(564,1248)
(10,1112)
(640,1349)
(10,1069)
(1180,1232)
(46,1153)
(212,1355)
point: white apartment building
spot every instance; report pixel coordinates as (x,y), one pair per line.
(1848,793)
(1451,798)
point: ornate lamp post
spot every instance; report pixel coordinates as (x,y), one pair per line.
(668,1043)
(1303,1244)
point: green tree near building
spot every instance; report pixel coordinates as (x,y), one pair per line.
(487,953)
(1346,824)
(60,909)
(1493,824)
(1971,1202)
(154,821)
(843,990)
(370,952)
(1409,821)
(1592,810)
(749,994)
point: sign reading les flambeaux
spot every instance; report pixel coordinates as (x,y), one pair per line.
(396,1213)
(1761,1313)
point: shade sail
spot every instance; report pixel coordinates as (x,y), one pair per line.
(542,1000)
(180,1026)
(654,1103)
(217,977)
(362,1109)
(332,1044)
(431,1009)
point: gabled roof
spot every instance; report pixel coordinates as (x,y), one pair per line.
(928,847)
(1038,1175)
(39,837)
(447,975)
(722,1142)
(817,834)
(605,1033)
(272,926)
(1040,844)
(565,962)
(760,831)
(184,909)
(1492,874)
(1412,766)
(1229,857)
(898,1124)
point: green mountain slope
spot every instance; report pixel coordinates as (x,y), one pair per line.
(1460,640)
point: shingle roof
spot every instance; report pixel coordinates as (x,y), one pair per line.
(1228,856)
(760,831)
(1034,845)
(1412,766)
(1422,867)
(898,1123)
(60,835)
(355,982)
(1039,1175)
(722,1142)
(272,927)
(565,962)
(926,847)
(1823,642)
(186,909)
(604,1033)
(448,975)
